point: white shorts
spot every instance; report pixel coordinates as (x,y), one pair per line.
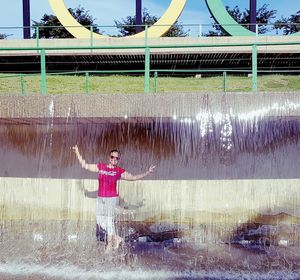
(105,213)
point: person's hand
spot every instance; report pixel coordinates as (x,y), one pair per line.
(151,169)
(75,148)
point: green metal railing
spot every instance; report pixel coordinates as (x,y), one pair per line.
(147,52)
(158,78)
(191,30)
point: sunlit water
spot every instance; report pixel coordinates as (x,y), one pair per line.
(210,147)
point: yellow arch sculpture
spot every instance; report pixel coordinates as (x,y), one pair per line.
(78,31)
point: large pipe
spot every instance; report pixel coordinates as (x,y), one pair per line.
(138,16)
(253,6)
(26,19)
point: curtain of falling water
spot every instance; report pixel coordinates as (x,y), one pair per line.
(214,146)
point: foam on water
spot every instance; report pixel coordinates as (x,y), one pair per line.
(74,272)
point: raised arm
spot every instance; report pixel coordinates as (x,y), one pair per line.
(90,167)
(129,177)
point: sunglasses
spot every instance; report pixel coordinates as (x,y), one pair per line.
(113,157)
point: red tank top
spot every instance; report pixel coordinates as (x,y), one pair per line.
(107,178)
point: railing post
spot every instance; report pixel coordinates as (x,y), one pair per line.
(37,32)
(200,30)
(146,35)
(87,83)
(256,30)
(43,72)
(22,83)
(155,82)
(91,37)
(147,71)
(225,81)
(254,68)
(147,64)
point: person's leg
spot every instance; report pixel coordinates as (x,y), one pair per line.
(117,239)
(100,231)
(106,210)
(101,228)
(105,223)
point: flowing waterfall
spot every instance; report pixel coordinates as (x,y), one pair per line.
(224,199)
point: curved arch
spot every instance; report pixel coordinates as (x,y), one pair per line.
(78,31)
(222,17)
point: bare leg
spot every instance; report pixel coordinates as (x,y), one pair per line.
(106,220)
(117,241)
(110,243)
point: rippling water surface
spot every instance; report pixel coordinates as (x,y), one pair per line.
(68,250)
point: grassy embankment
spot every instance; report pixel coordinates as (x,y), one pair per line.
(129,84)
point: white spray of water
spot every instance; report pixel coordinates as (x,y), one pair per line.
(74,272)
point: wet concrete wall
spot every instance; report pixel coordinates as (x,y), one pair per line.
(212,210)
(184,201)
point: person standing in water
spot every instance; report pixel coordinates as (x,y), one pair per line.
(108,198)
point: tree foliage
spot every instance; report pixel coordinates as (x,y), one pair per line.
(126,26)
(263,17)
(290,24)
(50,26)
(3,36)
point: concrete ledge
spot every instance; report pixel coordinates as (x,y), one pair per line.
(115,42)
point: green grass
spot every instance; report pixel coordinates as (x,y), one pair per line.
(58,84)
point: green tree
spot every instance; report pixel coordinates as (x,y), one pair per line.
(126,26)
(3,36)
(50,26)
(290,24)
(263,17)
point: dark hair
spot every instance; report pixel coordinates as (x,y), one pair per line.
(115,151)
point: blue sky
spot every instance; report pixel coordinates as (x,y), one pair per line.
(105,11)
